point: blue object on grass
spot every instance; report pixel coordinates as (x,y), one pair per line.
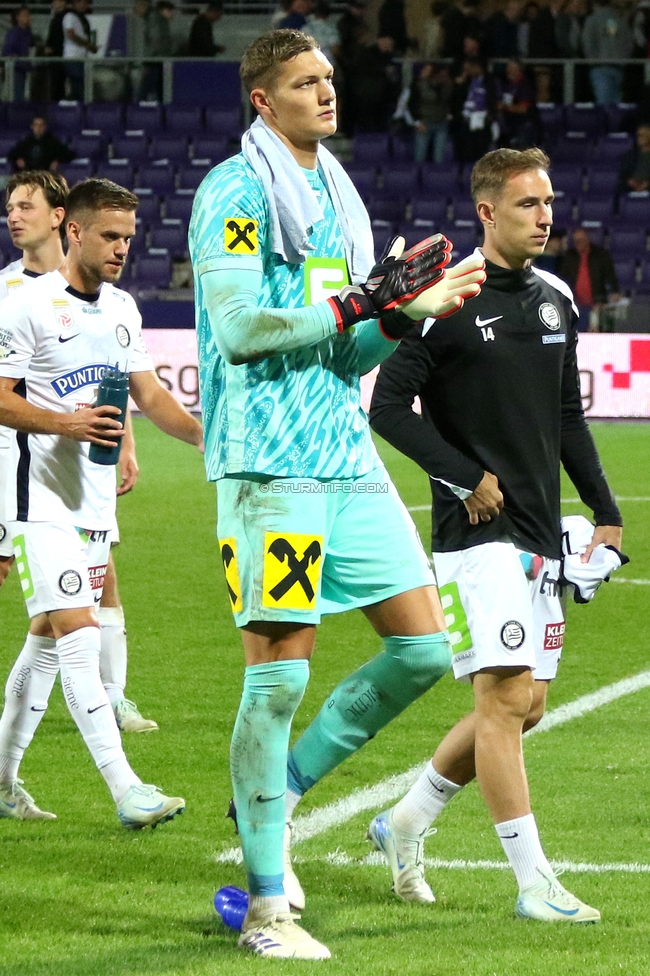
(231,904)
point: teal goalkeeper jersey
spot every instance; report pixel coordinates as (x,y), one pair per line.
(292,415)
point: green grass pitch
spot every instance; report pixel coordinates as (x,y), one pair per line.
(83,897)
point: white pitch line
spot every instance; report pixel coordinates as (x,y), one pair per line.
(564,501)
(382,793)
(339,859)
(623,579)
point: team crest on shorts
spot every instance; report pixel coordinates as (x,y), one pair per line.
(229,557)
(240,235)
(3,532)
(70,582)
(292,569)
(550,316)
(512,635)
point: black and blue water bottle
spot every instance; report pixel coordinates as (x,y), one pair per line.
(113,391)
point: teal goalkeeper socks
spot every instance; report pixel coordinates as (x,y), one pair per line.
(258,763)
(365,702)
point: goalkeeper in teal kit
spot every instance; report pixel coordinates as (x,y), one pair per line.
(290,311)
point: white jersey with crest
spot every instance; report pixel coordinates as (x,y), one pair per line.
(11,277)
(58,343)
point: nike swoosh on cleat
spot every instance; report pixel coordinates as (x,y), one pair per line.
(481,322)
(268,799)
(562,911)
(150,809)
(97,707)
(68,338)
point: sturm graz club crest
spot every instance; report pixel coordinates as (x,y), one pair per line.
(70,582)
(512,635)
(550,316)
(123,336)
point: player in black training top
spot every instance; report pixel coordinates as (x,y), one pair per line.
(499,388)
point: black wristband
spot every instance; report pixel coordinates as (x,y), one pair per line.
(352,305)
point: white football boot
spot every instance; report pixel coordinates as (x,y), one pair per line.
(278,937)
(17,804)
(548,901)
(129,719)
(147,806)
(405,855)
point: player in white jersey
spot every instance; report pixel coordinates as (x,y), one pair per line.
(59,336)
(35,203)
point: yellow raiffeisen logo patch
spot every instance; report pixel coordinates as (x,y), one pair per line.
(229,557)
(240,235)
(14,283)
(292,569)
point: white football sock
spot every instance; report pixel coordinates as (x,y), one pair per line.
(260,905)
(520,841)
(91,709)
(26,696)
(292,801)
(112,656)
(425,801)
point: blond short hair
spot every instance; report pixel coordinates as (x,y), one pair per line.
(492,171)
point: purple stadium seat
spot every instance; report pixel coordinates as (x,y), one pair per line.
(8,140)
(145,115)
(602,183)
(118,170)
(185,121)
(465,209)
(190,176)
(573,147)
(79,169)
(172,236)
(371,148)
(179,206)
(463,239)
(152,270)
(20,115)
(173,148)
(600,211)
(223,122)
(6,243)
(133,146)
(562,211)
(595,230)
(585,117)
(401,184)
(108,117)
(139,241)
(552,119)
(626,273)
(434,211)
(148,208)
(402,149)
(214,148)
(634,210)
(620,118)
(363,177)
(65,118)
(439,183)
(89,146)
(568,180)
(388,210)
(158,177)
(611,147)
(630,244)
(382,232)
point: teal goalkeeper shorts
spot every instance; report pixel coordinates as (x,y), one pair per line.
(294,549)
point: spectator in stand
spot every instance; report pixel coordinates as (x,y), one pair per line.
(158,43)
(433,32)
(41,150)
(606,36)
(352,30)
(502,29)
(460,20)
(429,108)
(568,37)
(54,47)
(77,45)
(392,23)
(641,30)
(374,86)
(589,270)
(296,16)
(321,26)
(634,172)
(201,42)
(474,105)
(518,116)
(18,41)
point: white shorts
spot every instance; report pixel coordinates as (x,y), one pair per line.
(6,547)
(60,567)
(115,533)
(497,617)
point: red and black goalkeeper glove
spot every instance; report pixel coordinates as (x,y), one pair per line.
(393,280)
